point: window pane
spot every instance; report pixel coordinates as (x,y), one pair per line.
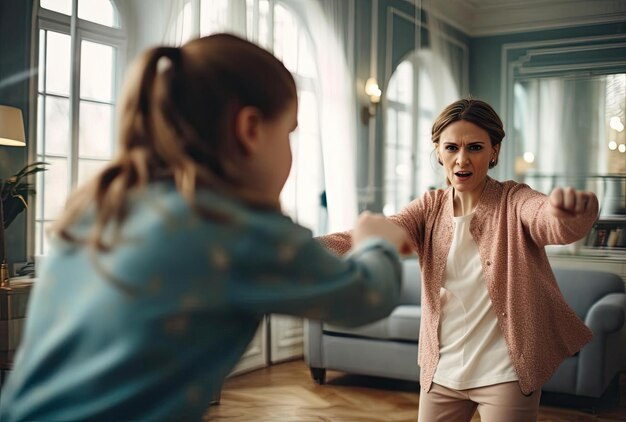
(40,122)
(250,19)
(41,239)
(286,38)
(98,11)
(88,169)
(55,187)
(39,194)
(61,6)
(213,16)
(95,130)
(96,71)
(405,137)
(264,28)
(58,64)
(57,132)
(307,113)
(38,238)
(306,61)
(42,60)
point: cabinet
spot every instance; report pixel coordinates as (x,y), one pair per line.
(278,338)
(286,337)
(255,356)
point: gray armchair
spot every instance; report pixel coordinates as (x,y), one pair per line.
(388,347)
(598,298)
(385,348)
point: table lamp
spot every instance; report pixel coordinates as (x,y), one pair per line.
(11,134)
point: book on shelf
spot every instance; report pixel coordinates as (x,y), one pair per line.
(607,237)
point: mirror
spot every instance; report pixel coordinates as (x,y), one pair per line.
(569,131)
(570,125)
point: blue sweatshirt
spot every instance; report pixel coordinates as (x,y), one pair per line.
(149,330)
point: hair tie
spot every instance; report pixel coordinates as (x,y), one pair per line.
(168,57)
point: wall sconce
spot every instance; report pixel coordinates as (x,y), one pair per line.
(11,134)
(372,90)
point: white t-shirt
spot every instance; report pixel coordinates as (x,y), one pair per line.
(472,349)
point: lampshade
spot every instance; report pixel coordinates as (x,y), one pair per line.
(11,127)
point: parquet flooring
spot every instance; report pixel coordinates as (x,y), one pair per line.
(286,393)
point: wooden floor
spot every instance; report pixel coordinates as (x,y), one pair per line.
(286,393)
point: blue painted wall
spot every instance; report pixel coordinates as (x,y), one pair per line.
(15,40)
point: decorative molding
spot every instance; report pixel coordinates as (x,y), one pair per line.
(495,17)
(393,12)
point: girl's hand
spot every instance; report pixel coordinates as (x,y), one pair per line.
(570,202)
(369,225)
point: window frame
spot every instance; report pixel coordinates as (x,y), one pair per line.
(79,30)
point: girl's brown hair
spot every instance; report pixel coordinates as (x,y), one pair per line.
(176,119)
(475,111)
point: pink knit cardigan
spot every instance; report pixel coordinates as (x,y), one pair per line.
(511,226)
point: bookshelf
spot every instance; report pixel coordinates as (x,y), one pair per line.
(608,234)
(604,248)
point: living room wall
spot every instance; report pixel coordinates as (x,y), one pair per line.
(15,39)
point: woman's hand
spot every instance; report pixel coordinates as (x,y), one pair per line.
(369,225)
(569,202)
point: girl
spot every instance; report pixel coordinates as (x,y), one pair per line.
(163,266)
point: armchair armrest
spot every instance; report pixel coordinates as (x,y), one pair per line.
(608,314)
(598,362)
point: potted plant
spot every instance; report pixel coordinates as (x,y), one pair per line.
(14,192)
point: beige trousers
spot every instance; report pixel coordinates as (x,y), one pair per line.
(495,403)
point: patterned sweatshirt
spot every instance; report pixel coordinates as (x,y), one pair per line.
(149,330)
(511,226)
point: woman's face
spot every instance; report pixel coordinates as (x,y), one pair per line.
(465,151)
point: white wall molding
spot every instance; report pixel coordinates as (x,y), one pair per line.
(495,17)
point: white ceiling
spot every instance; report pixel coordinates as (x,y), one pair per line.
(490,17)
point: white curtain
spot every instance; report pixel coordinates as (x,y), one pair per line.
(156,22)
(560,122)
(174,22)
(326,22)
(447,69)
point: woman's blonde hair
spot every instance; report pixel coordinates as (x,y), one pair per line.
(176,119)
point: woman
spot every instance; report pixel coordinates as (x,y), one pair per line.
(494,324)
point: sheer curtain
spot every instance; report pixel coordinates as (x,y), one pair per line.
(326,21)
(552,139)
(448,63)
(327,25)
(156,22)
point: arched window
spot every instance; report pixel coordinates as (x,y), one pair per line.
(79,71)
(410,167)
(276,27)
